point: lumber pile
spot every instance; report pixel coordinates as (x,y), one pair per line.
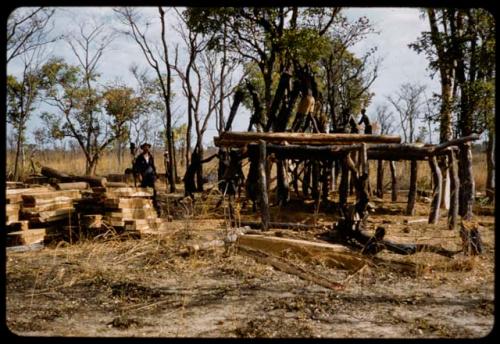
(118,210)
(12,212)
(48,207)
(26,237)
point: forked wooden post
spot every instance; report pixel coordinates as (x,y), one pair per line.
(454,183)
(436,192)
(410,208)
(264,202)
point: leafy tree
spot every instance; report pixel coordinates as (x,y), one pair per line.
(461,45)
(22,95)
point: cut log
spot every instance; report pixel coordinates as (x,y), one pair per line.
(304,152)
(72,186)
(64,177)
(337,256)
(277,225)
(282,265)
(244,138)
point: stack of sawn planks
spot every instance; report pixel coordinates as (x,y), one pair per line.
(38,214)
(44,214)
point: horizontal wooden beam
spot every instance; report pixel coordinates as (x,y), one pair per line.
(242,138)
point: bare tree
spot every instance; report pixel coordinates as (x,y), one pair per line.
(408,104)
(157,58)
(28,29)
(385,119)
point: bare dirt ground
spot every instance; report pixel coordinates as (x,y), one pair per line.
(118,287)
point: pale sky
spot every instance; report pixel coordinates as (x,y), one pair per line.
(397,28)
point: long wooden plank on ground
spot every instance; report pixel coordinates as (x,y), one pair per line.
(337,256)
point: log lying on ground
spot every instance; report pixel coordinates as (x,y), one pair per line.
(277,225)
(64,177)
(337,256)
(288,267)
(243,138)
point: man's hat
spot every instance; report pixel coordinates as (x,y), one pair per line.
(144,145)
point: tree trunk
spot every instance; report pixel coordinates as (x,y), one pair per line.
(394,184)
(445,187)
(436,197)
(315,180)
(490,160)
(283,189)
(264,202)
(199,171)
(306,179)
(17,169)
(454,184)
(410,209)
(344,183)
(466,190)
(380,178)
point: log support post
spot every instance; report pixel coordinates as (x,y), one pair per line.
(394,181)
(380,179)
(466,190)
(454,183)
(412,194)
(264,202)
(344,182)
(436,194)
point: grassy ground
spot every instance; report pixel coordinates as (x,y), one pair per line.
(126,287)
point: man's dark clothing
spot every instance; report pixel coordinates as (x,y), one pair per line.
(147,170)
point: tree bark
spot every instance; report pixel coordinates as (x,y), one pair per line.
(264,202)
(436,198)
(380,178)
(454,184)
(241,138)
(466,190)
(344,183)
(394,183)
(490,160)
(410,209)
